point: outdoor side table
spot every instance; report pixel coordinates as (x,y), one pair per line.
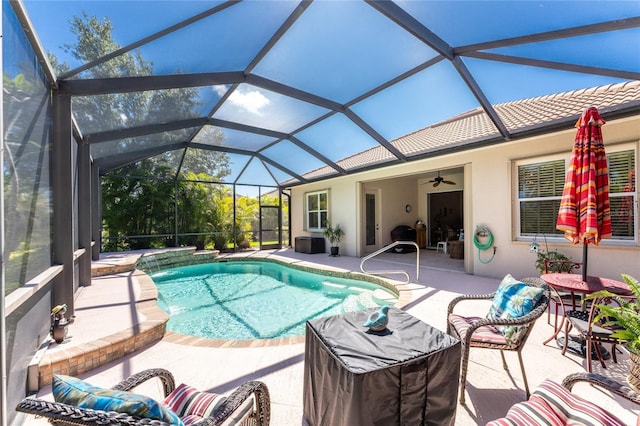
(405,375)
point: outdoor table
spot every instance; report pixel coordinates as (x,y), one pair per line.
(573,283)
(405,375)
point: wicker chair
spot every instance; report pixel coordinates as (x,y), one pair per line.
(248,405)
(593,334)
(607,383)
(557,298)
(475,332)
(555,404)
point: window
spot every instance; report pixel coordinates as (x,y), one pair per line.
(540,184)
(622,194)
(317,210)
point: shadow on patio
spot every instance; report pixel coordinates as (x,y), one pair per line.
(107,306)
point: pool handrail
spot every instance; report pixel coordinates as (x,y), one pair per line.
(384,249)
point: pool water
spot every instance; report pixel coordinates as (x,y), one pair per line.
(256,300)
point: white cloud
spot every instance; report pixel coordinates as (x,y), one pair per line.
(220,89)
(252,101)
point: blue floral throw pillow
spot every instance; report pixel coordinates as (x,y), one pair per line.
(72,391)
(513,299)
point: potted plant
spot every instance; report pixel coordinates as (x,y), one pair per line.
(625,319)
(549,255)
(333,233)
(545,254)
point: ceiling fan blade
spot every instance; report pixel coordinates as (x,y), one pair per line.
(449,182)
(436,184)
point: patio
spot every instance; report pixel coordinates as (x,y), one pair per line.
(491,391)
(258,109)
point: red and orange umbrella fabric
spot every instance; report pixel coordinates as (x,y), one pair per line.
(584,213)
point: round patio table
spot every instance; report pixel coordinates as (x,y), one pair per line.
(573,283)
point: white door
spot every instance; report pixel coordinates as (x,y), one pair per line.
(371,221)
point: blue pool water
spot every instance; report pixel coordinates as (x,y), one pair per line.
(256,300)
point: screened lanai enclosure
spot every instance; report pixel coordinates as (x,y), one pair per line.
(142,124)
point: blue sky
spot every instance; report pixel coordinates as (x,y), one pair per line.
(358,51)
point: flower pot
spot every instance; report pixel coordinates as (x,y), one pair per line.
(335,251)
(58,330)
(634,372)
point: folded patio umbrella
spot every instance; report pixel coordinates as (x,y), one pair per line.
(584,213)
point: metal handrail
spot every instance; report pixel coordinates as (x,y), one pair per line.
(385,248)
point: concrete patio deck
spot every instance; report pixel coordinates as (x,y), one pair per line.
(109,305)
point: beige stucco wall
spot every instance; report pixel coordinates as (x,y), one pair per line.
(488,197)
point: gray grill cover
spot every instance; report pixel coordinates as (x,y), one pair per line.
(406,375)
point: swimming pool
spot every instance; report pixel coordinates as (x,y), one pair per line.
(247,300)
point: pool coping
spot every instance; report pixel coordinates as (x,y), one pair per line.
(74,358)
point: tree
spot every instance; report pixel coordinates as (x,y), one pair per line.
(248,209)
(140,205)
(202,210)
(209,165)
(138,199)
(27,198)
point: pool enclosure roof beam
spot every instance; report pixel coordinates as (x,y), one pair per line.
(150,38)
(358,100)
(607,72)
(149,129)
(618,24)
(286,25)
(412,25)
(111,162)
(249,153)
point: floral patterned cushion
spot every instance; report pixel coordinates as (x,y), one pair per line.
(72,391)
(513,299)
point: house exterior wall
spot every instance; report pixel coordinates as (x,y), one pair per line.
(488,184)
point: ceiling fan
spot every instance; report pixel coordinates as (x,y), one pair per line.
(439,180)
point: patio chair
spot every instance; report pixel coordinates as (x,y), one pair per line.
(592,334)
(554,404)
(501,329)
(560,267)
(85,404)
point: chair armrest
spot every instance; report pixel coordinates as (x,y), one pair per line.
(604,383)
(165,376)
(262,412)
(524,320)
(458,299)
(72,415)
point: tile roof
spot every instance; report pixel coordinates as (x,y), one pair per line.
(521,118)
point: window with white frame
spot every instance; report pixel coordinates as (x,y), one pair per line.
(540,183)
(317,209)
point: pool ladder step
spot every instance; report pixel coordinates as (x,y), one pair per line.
(389,272)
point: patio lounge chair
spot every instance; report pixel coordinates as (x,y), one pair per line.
(498,330)
(248,405)
(555,404)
